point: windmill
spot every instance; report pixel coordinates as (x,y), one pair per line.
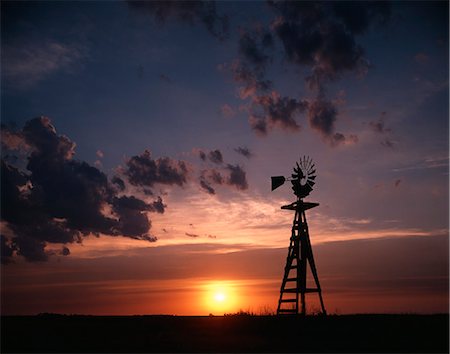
(293,287)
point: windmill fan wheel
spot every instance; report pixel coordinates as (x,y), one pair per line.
(303,178)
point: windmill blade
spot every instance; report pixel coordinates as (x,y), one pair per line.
(312,177)
(309,162)
(310,183)
(312,172)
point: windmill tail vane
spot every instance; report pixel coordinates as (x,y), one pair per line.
(293,286)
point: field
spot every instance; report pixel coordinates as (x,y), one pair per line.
(239,333)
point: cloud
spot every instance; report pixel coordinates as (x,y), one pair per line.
(202,155)
(251,47)
(26,64)
(189,12)
(275,111)
(215,156)
(237,177)
(119,183)
(230,175)
(57,199)
(6,250)
(207,186)
(209,177)
(244,151)
(379,126)
(12,140)
(191,235)
(250,81)
(387,143)
(165,78)
(227,111)
(322,115)
(143,170)
(321,36)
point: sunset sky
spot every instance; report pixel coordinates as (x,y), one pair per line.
(139,138)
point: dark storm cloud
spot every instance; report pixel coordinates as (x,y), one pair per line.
(321,36)
(210,177)
(277,111)
(315,35)
(215,176)
(237,177)
(244,151)
(58,199)
(143,170)
(230,175)
(251,48)
(357,16)
(215,156)
(250,80)
(185,11)
(11,139)
(322,117)
(119,183)
(6,250)
(202,155)
(207,186)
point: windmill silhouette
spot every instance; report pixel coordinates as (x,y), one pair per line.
(293,286)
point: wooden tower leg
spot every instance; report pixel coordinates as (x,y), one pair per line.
(300,253)
(312,264)
(293,257)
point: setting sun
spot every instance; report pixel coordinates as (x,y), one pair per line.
(219,297)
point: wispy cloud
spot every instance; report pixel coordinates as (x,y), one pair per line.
(432,162)
(26,64)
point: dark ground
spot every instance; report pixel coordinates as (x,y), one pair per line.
(353,333)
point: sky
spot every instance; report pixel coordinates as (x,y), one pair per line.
(138,141)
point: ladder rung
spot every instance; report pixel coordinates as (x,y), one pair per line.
(294,290)
(288,310)
(290,290)
(312,290)
(291,279)
(288,300)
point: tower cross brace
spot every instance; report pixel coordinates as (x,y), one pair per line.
(293,286)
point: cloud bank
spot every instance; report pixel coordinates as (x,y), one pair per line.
(53,198)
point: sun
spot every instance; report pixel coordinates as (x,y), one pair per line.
(219,297)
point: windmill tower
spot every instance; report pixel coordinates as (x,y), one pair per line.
(294,286)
